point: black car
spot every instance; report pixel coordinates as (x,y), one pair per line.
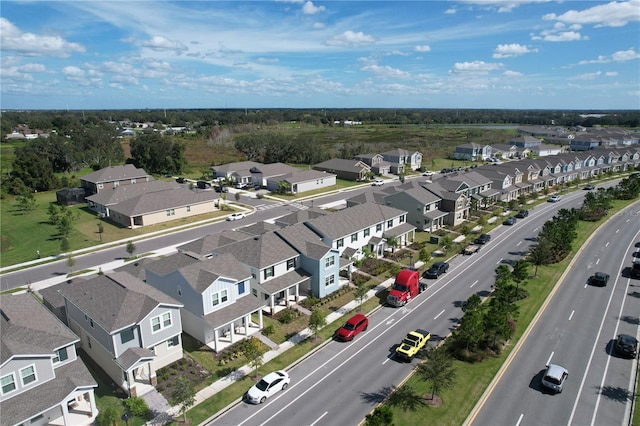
(436,270)
(181,180)
(626,346)
(589,187)
(482,239)
(221,188)
(600,279)
(203,185)
(509,221)
(522,214)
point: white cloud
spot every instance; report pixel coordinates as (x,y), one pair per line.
(503,6)
(160,43)
(32,68)
(386,71)
(451,11)
(73,73)
(511,50)
(477,67)
(614,14)
(619,56)
(423,48)
(611,74)
(268,60)
(509,73)
(318,25)
(588,76)
(29,44)
(351,39)
(310,9)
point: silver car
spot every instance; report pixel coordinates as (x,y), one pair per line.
(555,377)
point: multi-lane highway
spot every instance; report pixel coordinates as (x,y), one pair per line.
(576,330)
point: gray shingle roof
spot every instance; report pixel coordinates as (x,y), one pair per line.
(354,166)
(353,219)
(242,306)
(304,240)
(300,176)
(132,356)
(116,300)
(290,279)
(258,228)
(207,244)
(110,196)
(260,251)
(162,200)
(113,173)
(300,216)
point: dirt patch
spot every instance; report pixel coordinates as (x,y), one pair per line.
(185,367)
(436,401)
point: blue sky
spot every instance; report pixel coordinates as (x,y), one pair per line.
(526,54)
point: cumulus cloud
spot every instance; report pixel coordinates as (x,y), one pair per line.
(423,48)
(511,50)
(268,60)
(560,32)
(475,67)
(386,71)
(32,68)
(318,25)
(503,6)
(619,56)
(160,44)
(310,9)
(511,74)
(614,14)
(588,76)
(611,74)
(351,39)
(29,44)
(451,11)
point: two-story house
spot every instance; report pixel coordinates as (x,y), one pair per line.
(215,293)
(129,328)
(422,206)
(401,160)
(43,382)
(354,170)
(376,161)
(113,177)
(472,152)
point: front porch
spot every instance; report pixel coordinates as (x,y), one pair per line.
(77,411)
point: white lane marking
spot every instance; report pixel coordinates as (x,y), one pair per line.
(475,282)
(436,317)
(617,230)
(499,261)
(519,242)
(571,316)
(390,321)
(549,360)
(385,361)
(519,419)
(325,413)
(607,245)
(597,261)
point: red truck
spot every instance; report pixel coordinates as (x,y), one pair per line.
(406,286)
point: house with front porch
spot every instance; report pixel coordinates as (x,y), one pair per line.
(400,160)
(473,152)
(129,328)
(502,181)
(422,206)
(216,295)
(510,151)
(377,163)
(44,382)
(354,170)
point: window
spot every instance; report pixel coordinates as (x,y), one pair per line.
(254,292)
(254,274)
(390,223)
(402,219)
(126,336)
(91,323)
(268,272)
(329,262)
(241,289)
(354,237)
(171,212)
(179,291)
(163,321)
(291,264)
(379,227)
(173,342)
(328,281)
(61,355)
(166,319)
(367,232)
(8,383)
(223,296)
(340,243)
(28,375)
(155,324)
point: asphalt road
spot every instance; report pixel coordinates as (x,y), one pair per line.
(577,330)
(342,382)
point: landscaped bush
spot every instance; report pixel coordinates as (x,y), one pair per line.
(137,407)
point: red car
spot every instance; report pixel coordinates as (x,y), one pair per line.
(352,327)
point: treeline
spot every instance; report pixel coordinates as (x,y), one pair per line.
(201,119)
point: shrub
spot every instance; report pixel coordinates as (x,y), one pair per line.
(268,330)
(137,406)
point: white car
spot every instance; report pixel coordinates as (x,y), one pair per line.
(378,182)
(427,173)
(554,199)
(555,377)
(267,387)
(236,216)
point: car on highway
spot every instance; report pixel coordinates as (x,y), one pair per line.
(555,377)
(522,214)
(482,239)
(600,279)
(554,199)
(436,270)
(378,182)
(470,249)
(626,346)
(510,221)
(268,386)
(236,216)
(412,344)
(589,187)
(352,327)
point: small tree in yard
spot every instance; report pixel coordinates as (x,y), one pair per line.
(64,245)
(253,352)
(108,416)
(360,293)
(438,370)
(317,320)
(70,262)
(131,248)
(381,416)
(184,394)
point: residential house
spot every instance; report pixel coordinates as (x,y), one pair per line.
(44,382)
(225,171)
(502,180)
(216,295)
(401,160)
(129,328)
(473,152)
(509,151)
(544,150)
(376,162)
(473,185)
(354,170)
(113,177)
(453,199)
(302,181)
(525,141)
(422,206)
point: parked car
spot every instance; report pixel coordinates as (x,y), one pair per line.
(181,180)
(378,182)
(236,216)
(522,214)
(352,327)
(554,198)
(600,279)
(626,346)
(510,221)
(436,270)
(270,384)
(482,239)
(242,185)
(589,187)
(221,188)
(203,185)
(427,173)
(555,377)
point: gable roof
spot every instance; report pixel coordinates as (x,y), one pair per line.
(300,216)
(272,169)
(114,173)
(116,300)
(207,244)
(300,176)
(260,251)
(232,167)
(162,200)
(110,196)
(304,240)
(399,152)
(353,166)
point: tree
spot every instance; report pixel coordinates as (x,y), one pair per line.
(520,273)
(108,416)
(393,243)
(317,320)
(438,370)
(184,394)
(100,230)
(381,416)
(70,262)
(253,352)
(359,294)
(158,154)
(540,255)
(64,245)
(131,248)
(471,329)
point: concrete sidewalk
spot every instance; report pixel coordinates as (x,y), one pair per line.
(231,378)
